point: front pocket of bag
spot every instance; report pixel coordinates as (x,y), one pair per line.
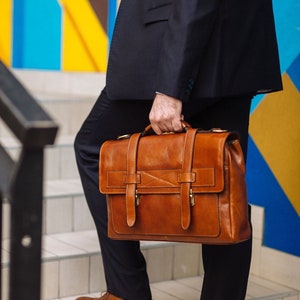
(160,215)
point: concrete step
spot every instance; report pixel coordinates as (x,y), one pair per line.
(67,113)
(48,84)
(72,263)
(64,208)
(189,289)
(66,96)
(72,266)
(59,159)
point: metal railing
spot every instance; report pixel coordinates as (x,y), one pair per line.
(21,184)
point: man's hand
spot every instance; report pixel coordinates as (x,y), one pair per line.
(165,114)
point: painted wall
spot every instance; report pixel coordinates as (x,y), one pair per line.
(70,35)
(56,34)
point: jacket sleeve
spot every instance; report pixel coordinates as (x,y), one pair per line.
(189,28)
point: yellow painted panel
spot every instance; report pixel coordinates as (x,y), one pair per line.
(84,38)
(275,128)
(5,36)
(75,55)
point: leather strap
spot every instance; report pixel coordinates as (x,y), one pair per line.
(188,177)
(131,174)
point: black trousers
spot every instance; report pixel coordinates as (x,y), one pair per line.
(226,267)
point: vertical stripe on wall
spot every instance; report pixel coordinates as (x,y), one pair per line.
(287,19)
(5,25)
(37,34)
(112,12)
(18,34)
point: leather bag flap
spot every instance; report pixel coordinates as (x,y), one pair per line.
(159,164)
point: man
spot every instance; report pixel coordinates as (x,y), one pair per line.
(201,61)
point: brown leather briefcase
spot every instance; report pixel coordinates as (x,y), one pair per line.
(185,187)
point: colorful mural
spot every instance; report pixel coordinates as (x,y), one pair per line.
(274,163)
(70,35)
(56,34)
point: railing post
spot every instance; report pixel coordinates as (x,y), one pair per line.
(26,226)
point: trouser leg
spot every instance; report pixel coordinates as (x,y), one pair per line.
(226,271)
(124,264)
(226,268)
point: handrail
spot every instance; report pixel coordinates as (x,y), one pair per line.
(21,183)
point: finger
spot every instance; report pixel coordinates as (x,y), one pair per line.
(156,128)
(177,126)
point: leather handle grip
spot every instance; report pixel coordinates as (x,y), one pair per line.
(149,131)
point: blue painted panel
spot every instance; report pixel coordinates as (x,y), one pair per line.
(256,101)
(294,72)
(18,34)
(112,11)
(287,20)
(282,226)
(37,37)
(282,222)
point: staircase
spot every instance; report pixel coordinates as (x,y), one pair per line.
(71,259)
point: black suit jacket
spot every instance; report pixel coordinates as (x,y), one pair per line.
(192,49)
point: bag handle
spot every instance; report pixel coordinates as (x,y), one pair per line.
(149,131)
